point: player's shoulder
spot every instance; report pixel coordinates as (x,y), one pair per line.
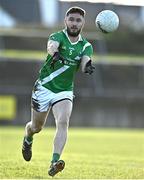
(87,48)
(56,34)
(85,41)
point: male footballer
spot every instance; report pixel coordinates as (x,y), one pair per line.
(67,51)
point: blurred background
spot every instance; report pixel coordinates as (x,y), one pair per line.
(112,97)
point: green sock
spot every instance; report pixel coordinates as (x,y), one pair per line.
(29,139)
(55,157)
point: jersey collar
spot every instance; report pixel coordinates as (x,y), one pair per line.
(79,39)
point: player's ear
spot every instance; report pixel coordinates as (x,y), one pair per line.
(65,20)
(83,21)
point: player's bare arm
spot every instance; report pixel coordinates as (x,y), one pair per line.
(52,47)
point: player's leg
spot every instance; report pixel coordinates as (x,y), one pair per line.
(34,126)
(39,112)
(62,111)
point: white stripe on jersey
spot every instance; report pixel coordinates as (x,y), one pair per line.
(86,45)
(54,74)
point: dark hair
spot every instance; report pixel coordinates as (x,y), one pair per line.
(76,9)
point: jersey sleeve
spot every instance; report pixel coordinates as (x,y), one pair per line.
(87,50)
(55,37)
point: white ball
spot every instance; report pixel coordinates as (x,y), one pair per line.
(107,21)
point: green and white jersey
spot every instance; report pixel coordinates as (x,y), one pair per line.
(61,78)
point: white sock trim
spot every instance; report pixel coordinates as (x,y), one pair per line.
(28,141)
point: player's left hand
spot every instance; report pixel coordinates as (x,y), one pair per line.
(89,68)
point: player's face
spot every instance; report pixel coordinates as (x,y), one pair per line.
(74,23)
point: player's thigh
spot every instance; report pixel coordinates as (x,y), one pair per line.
(38,118)
(62,110)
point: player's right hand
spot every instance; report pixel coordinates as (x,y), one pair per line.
(56,57)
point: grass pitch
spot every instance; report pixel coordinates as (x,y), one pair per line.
(89,154)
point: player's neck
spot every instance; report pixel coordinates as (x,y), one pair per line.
(73,39)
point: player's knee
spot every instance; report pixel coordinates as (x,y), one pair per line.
(28,125)
(63,121)
(36,129)
(62,125)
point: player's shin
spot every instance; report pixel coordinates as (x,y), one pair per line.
(28,132)
(59,141)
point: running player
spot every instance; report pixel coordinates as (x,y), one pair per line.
(67,51)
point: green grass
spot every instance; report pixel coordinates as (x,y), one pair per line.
(89,154)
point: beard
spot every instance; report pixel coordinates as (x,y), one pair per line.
(73,34)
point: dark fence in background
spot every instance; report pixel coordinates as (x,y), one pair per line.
(28,39)
(112,97)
